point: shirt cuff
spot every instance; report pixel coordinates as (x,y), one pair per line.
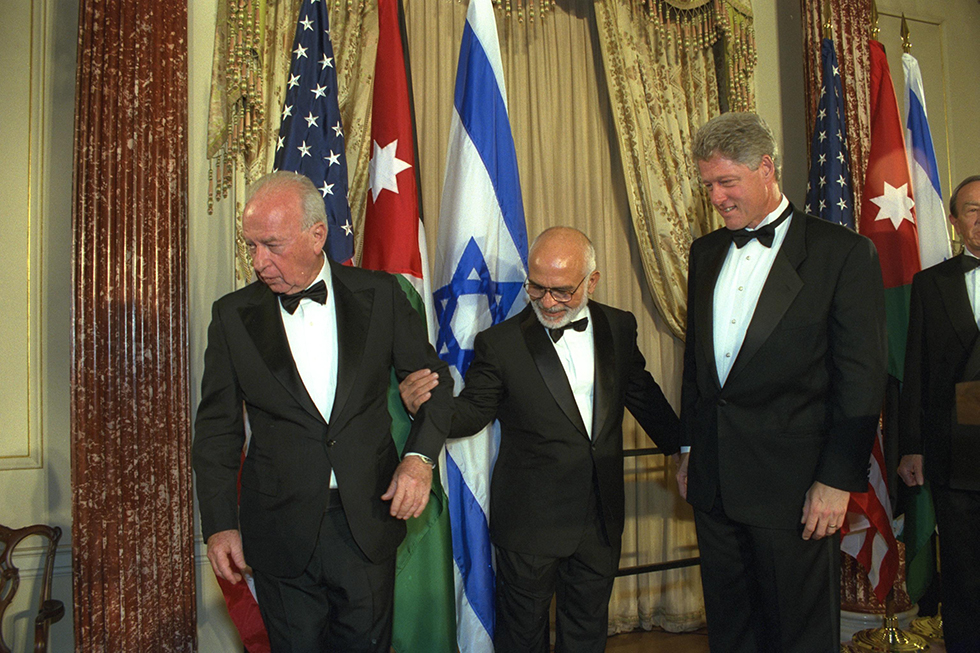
(685,449)
(428,461)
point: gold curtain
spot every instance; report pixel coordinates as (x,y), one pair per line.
(607,156)
(661,69)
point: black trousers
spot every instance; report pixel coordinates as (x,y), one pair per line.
(958,519)
(768,590)
(341,603)
(583,582)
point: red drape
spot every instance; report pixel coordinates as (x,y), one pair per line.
(132,530)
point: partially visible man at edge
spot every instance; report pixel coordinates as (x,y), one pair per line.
(305,352)
(557,376)
(784,375)
(943,352)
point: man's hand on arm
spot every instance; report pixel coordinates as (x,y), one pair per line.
(682,459)
(226,555)
(416,389)
(910,469)
(823,511)
(409,488)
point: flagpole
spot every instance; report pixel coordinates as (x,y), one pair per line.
(889,637)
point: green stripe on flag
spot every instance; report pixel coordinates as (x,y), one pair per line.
(897,322)
(920,559)
(425,620)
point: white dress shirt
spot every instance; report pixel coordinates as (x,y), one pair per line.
(972,279)
(738,288)
(576,351)
(312,335)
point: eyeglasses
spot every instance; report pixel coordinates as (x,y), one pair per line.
(560,295)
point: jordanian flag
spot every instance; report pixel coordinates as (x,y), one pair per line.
(394,241)
(888,209)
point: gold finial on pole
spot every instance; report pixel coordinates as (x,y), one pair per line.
(874,20)
(828,28)
(906,36)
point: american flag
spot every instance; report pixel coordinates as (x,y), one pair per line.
(828,192)
(311,135)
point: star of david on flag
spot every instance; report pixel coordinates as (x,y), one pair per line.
(481,263)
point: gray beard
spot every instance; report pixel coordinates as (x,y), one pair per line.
(570,316)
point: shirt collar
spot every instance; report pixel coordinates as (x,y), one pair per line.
(783,204)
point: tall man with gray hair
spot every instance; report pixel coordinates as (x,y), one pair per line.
(939,440)
(784,375)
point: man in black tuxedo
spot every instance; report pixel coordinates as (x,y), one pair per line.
(784,375)
(305,354)
(937,441)
(557,376)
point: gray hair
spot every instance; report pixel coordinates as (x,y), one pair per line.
(956,192)
(312,202)
(589,248)
(741,137)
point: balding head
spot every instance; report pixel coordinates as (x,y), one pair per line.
(561,261)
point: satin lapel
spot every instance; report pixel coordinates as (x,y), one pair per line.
(549,365)
(605,363)
(704,309)
(782,286)
(353,320)
(263,323)
(952,292)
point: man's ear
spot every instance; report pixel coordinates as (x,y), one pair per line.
(319,233)
(593,281)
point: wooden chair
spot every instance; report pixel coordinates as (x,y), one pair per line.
(49,610)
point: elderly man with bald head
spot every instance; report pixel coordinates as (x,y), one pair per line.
(557,376)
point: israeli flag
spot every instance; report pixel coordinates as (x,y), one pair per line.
(480,266)
(930,216)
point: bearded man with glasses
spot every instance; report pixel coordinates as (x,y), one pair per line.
(557,376)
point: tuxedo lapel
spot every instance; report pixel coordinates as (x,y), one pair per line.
(263,323)
(704,308)
(605,362)
(353,321)
(782,286)
(549,365)
(956,301)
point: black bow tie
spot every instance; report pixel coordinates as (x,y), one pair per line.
(969,263)
(764,234)
(317,292)
(577,325)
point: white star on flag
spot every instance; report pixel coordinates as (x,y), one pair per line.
(332,159)
(384,168)
(895,205)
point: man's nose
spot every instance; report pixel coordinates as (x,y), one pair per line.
(717,196)
(258,258)
(548,301)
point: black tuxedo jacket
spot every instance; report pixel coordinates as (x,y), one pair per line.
(543,476)
(942,336)
(285,478)
(801,402)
